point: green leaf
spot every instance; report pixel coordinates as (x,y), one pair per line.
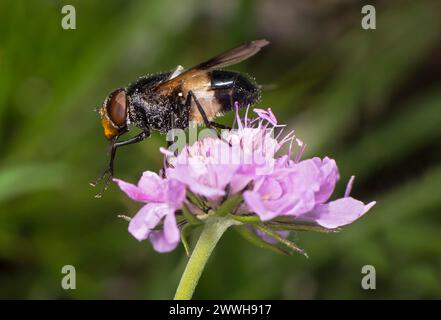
(284,225)
(300,227)
(17,180)
(194,199)
(253,238)
(273,234)
(190,217)
(229,205)
(185,231)
(249,219)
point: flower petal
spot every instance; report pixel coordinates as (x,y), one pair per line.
(143,223)
(152,186)
(239,182)
(195,177)
(175,193)
(255,203)
(160,242)
(171,230)
(147,218)
(328,178)
(132,191)
(337,213)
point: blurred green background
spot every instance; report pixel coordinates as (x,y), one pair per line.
(369,99)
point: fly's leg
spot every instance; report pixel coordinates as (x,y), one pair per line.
(109,171)
(108,174)
(169,143)
(209,124)
(219,125)
(200,109)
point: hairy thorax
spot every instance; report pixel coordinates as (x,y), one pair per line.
(158,112)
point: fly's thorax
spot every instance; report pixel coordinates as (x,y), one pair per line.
(151,110)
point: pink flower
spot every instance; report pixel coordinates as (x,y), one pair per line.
(300,190)
(208,166)
(163,198)
(244,162)
(287,191)
(204,168)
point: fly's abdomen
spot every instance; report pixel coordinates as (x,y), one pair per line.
(230,87)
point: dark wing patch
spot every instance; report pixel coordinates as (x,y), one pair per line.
(225,59)
(233,56)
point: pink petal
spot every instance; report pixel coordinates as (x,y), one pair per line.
(152,186)
(349,186)
(166,152)
(254,202)
(160,243)
(148,218)
(132,191)
(239,182)
(328,178)
(171,230)
(210,193)
(272,189)
(144,221)
(337,213)
(175,193)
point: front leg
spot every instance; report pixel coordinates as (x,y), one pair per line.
(108,174)
(138,138)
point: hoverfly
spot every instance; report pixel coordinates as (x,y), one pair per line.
(171,100)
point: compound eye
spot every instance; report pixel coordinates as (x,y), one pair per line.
(117,108)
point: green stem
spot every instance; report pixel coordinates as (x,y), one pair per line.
(213,230)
